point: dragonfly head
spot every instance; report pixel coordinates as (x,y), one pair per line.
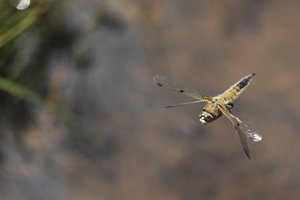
(207,117)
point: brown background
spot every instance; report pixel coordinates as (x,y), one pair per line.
(137,150)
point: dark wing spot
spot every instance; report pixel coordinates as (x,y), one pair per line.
(181,91)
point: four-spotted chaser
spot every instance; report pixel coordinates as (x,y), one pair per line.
(218,105)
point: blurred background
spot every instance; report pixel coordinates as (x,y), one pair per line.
(81,117)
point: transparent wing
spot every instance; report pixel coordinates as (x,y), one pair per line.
(184,103)
(243,139)
(243,126)
(242,129)
(162,82)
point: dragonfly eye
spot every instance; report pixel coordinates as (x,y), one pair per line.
(230,105)
(207,117)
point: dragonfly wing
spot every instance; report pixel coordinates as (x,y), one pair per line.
(243,126)
(236,122)
(162,82)
(243,139)
(184,103)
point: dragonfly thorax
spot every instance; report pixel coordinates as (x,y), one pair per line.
(211,112)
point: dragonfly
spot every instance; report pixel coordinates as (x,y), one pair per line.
(218,105)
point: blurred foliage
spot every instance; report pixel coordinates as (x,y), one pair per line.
(19,91)
(15,22)
(28,41)
(20,78)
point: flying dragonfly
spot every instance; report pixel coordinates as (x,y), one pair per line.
(218,105)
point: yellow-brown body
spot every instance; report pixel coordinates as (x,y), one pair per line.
(211,111)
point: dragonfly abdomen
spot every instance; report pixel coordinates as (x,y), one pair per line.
(236,90)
